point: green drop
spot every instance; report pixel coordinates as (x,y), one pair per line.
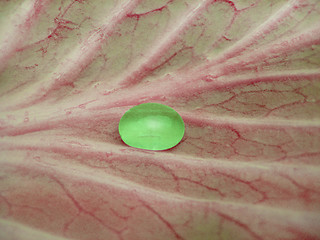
(151,126)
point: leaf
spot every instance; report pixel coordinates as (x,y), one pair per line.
(244,75)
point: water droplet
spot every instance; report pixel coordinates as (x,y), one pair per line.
(151,126)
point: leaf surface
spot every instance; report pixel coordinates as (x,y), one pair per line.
(244,76)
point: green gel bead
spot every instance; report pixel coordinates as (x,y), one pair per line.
(151,126)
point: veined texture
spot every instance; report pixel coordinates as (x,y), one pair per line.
(245,77)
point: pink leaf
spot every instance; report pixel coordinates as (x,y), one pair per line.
(244,75)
